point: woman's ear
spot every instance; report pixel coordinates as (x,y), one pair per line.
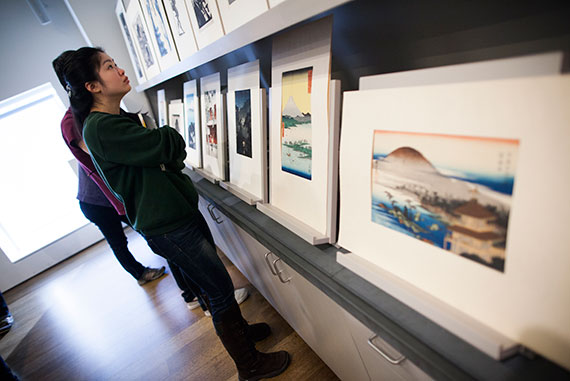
(93,86)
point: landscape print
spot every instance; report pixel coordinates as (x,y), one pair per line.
(159,26)
(131,45)
(450,191)
(143,42)
(243,122)
(211,123)
(202,11)
(190,121)
(296,127)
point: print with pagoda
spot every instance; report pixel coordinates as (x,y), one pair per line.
(450,191)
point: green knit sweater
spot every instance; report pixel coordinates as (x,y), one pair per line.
(142,168)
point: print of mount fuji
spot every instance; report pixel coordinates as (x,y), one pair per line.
(292,116)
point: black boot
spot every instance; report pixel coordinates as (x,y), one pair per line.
(257,332)
(251,364)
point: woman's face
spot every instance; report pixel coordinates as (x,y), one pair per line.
(113,80)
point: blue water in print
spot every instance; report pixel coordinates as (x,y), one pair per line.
(425,222)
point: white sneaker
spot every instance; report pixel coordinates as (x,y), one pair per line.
(193,304)
(241,294)
(207,313)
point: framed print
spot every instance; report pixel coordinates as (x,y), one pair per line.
(213,130)
(161,37)
(181,28)
(205,20)
(162,107)
(300,137)
(448,187)
(246,133)
(192,125)
(235,13)
(129,41)
(142,41)
(176,115)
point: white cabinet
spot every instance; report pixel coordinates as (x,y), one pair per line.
(382,361)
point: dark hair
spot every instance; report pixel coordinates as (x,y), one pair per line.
(74,68)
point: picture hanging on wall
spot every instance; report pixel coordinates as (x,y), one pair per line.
(302,132)
(162,107)
(206,22)
(247,134)
(181,28)
(423,188)
(161,37)
(235,13)
(213,134)
(129,41)
(176,115)
(296,131)
(452,200)
(141,38)
(192,125)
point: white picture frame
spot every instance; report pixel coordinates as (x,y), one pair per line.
(176,115)
(246,105)
(213,128)
(181,28)
(302,197)
(129,42)
(193,131)
(235,13)
(162,108)
(142,40)
(208,26)
(161,36)
(536,256)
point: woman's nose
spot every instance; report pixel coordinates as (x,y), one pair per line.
(121,71)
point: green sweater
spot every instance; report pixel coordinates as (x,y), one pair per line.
(142,168)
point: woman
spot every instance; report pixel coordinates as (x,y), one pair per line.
(143,170)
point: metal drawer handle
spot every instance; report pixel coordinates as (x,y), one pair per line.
(210,208)
(274,272)
(386,357)
(280,272)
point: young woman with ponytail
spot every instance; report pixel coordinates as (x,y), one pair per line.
(143,169)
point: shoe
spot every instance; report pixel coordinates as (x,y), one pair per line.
(241,294)
(6,323)
(150,274)
(193,304)
(207,313)
(258,331)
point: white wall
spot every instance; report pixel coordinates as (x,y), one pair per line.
(100,23)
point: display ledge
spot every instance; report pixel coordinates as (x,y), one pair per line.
(439,353)
(282,16)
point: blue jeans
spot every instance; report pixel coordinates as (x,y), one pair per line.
(191,249)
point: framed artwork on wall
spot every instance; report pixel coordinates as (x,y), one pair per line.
(442,186)
(302,132)
(176,115)
(161,37)
(246,134)
(192,125)
(181,28)
(162,107)
(129,41)
(235,13)
(206,22)
(213,129)
(142,40)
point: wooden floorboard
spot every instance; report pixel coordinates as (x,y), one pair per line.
(88,319)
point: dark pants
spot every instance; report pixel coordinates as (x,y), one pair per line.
(109,223)
(3,307)
(191,248)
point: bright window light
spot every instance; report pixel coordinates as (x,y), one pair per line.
(38,189)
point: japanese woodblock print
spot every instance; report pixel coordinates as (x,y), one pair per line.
(202,11)
(181,27)
(141,39)
(162,40)
(211,123)
(176,115)
(453,192)
(190,120)
(135,59)
(243,122)
(162,107)
(296,131)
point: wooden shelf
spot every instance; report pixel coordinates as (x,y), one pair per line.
(284,15)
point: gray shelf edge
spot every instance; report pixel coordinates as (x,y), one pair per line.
(462,362)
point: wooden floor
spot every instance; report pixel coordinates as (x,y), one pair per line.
(88,319)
